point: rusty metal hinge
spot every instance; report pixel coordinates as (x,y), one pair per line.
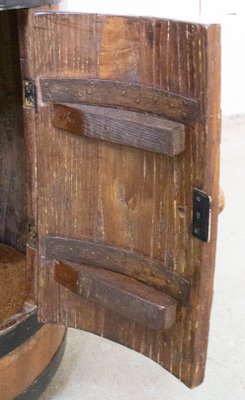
(29,88)
(32,235)
(201,225)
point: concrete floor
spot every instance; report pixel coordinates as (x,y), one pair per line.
(96,369)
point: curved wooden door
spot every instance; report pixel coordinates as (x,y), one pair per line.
(126,127)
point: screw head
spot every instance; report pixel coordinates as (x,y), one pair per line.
(198,215)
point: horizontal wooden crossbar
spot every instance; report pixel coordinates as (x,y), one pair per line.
(118,293)
(108,93)
(115,259)
(142,131)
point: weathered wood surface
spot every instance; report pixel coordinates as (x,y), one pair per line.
(120,94)
(27,174)
(128,128)
(132,264)
(13,284)
(13,218)
(12,4)
(121,196)
(120,294)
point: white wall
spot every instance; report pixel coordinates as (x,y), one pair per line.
(233,65)
(136,7)
(230,13)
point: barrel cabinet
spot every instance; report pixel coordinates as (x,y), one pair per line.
(109,188)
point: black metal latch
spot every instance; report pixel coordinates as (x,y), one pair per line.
(29,88)
(201,215)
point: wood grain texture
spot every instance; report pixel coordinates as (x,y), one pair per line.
(128,128)
(119,94)
(125,197)
(118,293)
(115,259)
(12,4)
(29,126)
(13,217)
(13,285)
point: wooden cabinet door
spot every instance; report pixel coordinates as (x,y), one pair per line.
(122,118)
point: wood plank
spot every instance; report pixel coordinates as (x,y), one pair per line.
(120,94)
(11,4)
(142,131)
(120,294)
(122,261)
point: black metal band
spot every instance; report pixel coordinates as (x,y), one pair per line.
(15,336)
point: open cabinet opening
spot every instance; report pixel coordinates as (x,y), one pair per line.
(13,214)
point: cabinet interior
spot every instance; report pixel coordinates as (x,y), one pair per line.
(13,210)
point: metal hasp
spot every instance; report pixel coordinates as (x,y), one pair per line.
(29,93)
(201,215)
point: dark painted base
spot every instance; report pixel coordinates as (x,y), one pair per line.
(19,333)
